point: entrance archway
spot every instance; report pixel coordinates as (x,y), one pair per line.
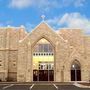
(75,71)
(43,61)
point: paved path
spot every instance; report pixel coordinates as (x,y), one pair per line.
(14,87)
(44,87)
(39,87)
(71,87)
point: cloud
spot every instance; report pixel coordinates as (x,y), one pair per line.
(45,4)
(20,3)
(71,20)
(79,3)
(3,24)
(29,26)
(75,3)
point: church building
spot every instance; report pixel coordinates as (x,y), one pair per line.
(44,54)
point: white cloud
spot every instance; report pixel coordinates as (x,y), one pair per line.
(79,3)
(29,26)
(3,24)
(72,20)
(76,3)
(20,3)
(45,4)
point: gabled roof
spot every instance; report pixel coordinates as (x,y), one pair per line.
(43,24)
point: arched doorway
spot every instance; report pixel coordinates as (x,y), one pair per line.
(43,61)
(75,71)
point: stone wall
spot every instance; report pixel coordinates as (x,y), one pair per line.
(16,48)
(25,70)
(9,39)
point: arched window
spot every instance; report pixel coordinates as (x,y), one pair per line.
(43,61)
(43,46)
(75,71)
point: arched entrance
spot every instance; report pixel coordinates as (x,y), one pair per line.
(75,71)
(43,61)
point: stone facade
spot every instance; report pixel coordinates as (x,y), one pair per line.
(16,48)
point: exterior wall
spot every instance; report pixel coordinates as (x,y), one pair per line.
(16,48)
(87,54)
(9,38)
(75,38)
(79,49)
(26,49)
(3,55)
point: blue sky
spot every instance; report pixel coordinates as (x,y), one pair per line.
(58,13)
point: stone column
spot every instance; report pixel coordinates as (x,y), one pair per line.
(29,73)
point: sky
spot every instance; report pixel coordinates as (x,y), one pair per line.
(58,13)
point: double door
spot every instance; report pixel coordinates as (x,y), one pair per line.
(44,73)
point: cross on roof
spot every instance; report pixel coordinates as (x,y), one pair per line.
(43,17)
